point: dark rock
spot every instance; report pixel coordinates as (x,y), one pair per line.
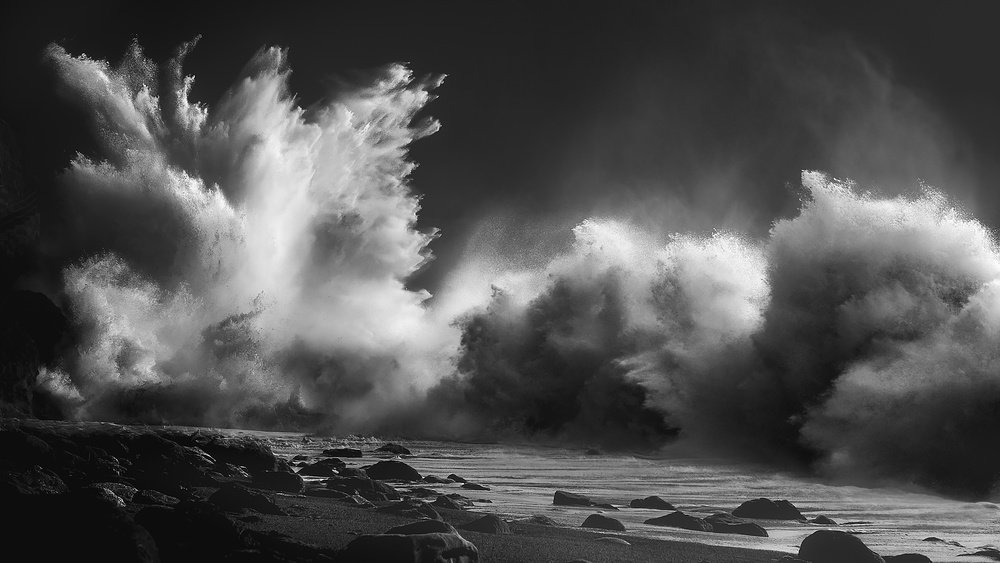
(126,492)
(149,496)
(907,558)
(246,451)
(394,449)
(728,524)
(680,520)
(334,462)
(191,531)
(31,329)
(456,478)
(832,546)
(448,503)
(363,486)
(949,542)
(100,494)
(791,559)
(423,527)
(283,466)
(563,498)
(198,456)
(475,487)
(352,472)
(411,509)
(603,522)
(489,524)
(74,527)
(768,509)
(653,502)
(416,548)
(422,492)
(393,470)
(278,481)
(342,452)
(437,480)
(236,497)
(318,470)
(35,480)
(300,457)
(232,471)
(989,552)
(823,521)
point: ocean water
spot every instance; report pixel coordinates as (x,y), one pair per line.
(523,478)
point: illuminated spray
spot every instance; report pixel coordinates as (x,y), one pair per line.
(250,270)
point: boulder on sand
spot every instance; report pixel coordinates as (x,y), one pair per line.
(414,548)
(563,498)
(907,558)
(728,524)
(394,449)
(603,522)
(318,470)
(834,546)
(489,524)
(653,502)
(363,486)
(448,503)
(393,470)
(680,520)
(235,497)
(767,509)
(35,480)
(823,521)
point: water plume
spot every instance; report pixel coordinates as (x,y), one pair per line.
(245,256)
(858,337)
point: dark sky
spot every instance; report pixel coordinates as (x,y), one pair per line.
(681,115)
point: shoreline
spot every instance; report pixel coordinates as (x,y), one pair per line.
(195,465)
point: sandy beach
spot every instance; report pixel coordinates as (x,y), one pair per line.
(329,524)
(172,494)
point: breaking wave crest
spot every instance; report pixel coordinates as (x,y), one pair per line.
(250,256)
(245,265)
(861,336)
